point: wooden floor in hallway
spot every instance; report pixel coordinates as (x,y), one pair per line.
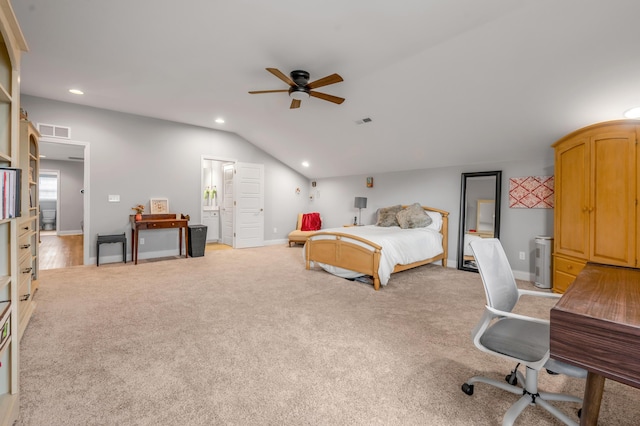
(60,251)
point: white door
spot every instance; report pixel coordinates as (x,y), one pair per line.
(249,205)
(227,205)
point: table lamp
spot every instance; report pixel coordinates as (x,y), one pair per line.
(360,203)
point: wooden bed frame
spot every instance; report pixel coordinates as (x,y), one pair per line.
(366,260)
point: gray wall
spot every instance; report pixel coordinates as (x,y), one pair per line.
(71,175)
(138,158)
(440,188)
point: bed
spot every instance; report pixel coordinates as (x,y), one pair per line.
(378,251)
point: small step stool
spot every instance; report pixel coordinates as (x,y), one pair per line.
(108,239)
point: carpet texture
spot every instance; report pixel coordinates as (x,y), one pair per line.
(249,337)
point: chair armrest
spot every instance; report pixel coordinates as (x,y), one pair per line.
(538,294)
(505,314)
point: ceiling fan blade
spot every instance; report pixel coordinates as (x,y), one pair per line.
(325,81)
(295,103)
(324,96)
(255,92)
(281,76)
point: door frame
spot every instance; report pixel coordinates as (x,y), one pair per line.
(86,216)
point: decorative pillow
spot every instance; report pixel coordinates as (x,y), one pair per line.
(387,216)
(311,222)
(413,216)
(436,220)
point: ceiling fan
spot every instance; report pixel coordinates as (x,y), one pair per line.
(300,88)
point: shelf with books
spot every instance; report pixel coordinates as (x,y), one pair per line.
(12,44)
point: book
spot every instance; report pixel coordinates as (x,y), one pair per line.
(11,182)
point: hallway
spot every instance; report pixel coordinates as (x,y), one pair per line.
(60,251)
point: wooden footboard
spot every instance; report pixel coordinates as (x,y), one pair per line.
(338,250)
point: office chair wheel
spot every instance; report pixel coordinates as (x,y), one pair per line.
(467,388)
(512,378)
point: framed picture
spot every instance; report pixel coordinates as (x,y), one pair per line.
(159,205)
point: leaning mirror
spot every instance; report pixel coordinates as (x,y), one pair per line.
(479,213)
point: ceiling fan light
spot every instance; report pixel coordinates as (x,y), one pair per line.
(632,113)
(298,93)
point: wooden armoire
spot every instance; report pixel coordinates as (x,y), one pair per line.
(596,216)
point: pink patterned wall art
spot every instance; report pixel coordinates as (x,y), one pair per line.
(531,192)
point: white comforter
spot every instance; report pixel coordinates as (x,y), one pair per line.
(399,247)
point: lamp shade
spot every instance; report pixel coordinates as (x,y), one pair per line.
(360,203)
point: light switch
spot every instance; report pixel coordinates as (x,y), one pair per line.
(114,198)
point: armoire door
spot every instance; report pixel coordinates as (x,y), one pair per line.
(613,198)
(572,198)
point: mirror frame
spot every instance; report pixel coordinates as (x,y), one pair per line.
(463,208)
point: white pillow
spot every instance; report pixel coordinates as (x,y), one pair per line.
(436,220)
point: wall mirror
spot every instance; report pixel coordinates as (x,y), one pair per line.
(479,213)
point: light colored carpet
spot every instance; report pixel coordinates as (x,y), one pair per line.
(249,337)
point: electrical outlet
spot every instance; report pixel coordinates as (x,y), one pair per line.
(275,230)
(141,241)
(522,255)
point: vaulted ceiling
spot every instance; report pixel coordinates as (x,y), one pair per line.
(444,82)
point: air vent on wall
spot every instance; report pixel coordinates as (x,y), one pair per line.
(54,131)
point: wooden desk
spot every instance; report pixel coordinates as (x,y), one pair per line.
(596,326)
(158,221)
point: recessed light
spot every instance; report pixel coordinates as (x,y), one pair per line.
(76,91)
(220,120)
(632,113)
(305,163)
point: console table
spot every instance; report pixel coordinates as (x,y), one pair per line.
(158,221)
(596,326)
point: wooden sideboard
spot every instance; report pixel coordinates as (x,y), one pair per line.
(158,221)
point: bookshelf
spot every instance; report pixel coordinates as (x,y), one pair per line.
(12,44)
(28,224)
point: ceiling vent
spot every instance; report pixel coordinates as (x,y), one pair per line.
(364,120)
(54,131)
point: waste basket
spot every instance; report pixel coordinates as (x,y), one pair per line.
(197,240)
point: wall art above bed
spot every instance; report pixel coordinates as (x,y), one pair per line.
(531,192)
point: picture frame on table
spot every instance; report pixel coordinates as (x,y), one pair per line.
(159,205)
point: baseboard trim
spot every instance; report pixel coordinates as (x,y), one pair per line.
(75,232)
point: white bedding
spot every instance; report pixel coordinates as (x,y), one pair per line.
(399,247)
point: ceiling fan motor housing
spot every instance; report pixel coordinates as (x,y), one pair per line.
(301,78)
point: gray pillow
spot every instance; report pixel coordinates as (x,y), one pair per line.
(413,216)
(387,216)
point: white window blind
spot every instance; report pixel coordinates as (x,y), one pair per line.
(48,187)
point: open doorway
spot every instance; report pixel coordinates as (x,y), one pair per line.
(214,201)
(64,172)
